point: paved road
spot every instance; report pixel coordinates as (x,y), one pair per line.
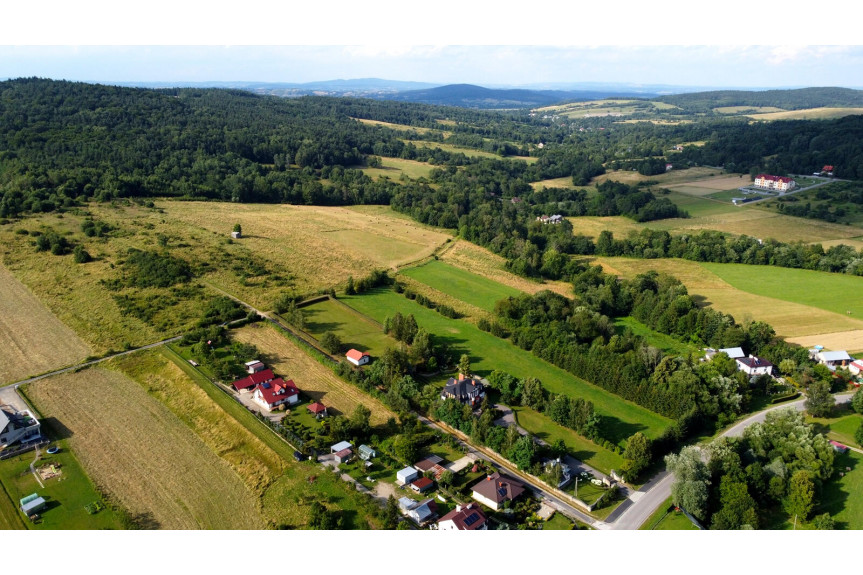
(637,513)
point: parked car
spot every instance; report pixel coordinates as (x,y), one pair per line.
(299,456)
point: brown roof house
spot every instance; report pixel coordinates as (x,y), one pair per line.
(467,518)
(496,489)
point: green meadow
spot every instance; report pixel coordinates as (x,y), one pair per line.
(461,284)
(621,418)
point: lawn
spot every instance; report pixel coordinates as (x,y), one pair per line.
(487,353)
(461,284)
(558,522)
(837,293)
(841,496)
(841,427)
(667,519)
(580,447)
(67,495)
(698,207)
(354,329)
(659,340)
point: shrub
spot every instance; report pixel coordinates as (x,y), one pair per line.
(82,256)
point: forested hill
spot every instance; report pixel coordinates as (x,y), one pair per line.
(799,99)
(470,96)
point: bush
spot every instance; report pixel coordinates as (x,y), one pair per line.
(331,342)
(82,256)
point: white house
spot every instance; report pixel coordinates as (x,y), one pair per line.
(831,359)
(358,358)
(407,475)
(855,367)
(272,394)
(779,183)
(18,426)
(463,518)
(754,366)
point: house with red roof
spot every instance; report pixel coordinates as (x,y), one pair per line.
(778,183)
(250,382)
(422,484)
(838,447)
(358,358)
(467,518)
(272,394)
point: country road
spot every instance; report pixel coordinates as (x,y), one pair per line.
(638,511)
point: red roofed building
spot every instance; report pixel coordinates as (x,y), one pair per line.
(827,170)
(778,183)
(467,518)
(318,409)
(358,357)
(250,382)
(274,393)
(422,484)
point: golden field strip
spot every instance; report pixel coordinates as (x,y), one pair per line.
(140,453)
(32,339)
(315,380)
(789,319)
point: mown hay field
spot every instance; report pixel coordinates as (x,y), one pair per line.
(400,127)
(32,339)
(666,179)
(747,109)
(354,329)
(313,379)
(565,182)
(471,288)
(790,319)
(483,262)
(808,114)
(469,152)
(142,455)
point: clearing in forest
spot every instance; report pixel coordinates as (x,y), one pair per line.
(32,339)
(141,454)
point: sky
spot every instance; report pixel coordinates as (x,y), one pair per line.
(741,44)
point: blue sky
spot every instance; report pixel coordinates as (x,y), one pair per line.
(749,66)
(445,41)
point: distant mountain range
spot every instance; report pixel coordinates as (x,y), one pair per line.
(537,95)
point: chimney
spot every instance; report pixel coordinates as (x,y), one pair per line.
(458,508)
(461,376)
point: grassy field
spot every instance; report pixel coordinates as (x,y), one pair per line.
(32,339)
(558,522)
(355,330)
(841,426)
(659,340)
(841,496)
(481,261)
(665,519)
(746,109)
(400,127)
(141,454)
(461,284)
(285,248)
(665,180)
(699,207)
(565,182)
(392,168)
(580,448)
(787,318)
(66,495)
(488,353)
(808,114)
(314,380)
(469,152)
(837,293)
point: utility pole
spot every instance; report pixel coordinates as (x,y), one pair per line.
(795,522)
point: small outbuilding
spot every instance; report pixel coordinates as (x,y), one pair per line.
(255,366)
(422,484)
(367,452)
(838,447)
(32,504)
(357,357)
(318,409)
(344,456)
(341,445)
(407,475)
